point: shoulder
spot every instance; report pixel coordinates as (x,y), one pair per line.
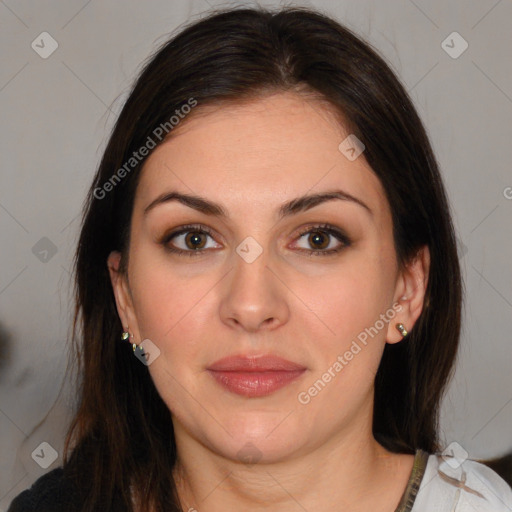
(464,485)
(51,492)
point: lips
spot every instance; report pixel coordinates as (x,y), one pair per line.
(254,364)
(254,376)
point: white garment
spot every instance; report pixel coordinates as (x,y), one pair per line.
(452,485)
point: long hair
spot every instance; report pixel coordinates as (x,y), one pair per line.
(120,445)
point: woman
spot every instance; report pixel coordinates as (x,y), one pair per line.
(268,289)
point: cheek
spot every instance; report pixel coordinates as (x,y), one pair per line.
(173,310)
(347,354)
(173,313)
(349,300)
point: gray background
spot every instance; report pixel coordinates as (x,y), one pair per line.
(56,116)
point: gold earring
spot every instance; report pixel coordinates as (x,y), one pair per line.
(402,329)
(126,335)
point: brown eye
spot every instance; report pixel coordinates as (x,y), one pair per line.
(318,240)
(195,240)
(190,240)
(323,240)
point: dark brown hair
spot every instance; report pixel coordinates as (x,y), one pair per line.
(122,433)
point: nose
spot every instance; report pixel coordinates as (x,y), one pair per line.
(254,298)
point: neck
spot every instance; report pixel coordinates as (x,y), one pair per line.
(353,473)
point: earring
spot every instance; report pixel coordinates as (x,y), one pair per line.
(402,329)
(126,335)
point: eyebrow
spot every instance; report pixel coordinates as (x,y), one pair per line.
(289,208)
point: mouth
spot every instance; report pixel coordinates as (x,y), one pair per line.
(255,376)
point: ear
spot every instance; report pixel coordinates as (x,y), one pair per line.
(410,291)
(122,295)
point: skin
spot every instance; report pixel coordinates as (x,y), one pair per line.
(251,158)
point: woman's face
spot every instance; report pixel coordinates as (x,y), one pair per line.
(314,283)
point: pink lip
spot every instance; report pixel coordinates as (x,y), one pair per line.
(254,376)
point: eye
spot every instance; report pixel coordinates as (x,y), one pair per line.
(324,239)
(190,240)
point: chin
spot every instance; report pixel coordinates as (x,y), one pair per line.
(258,438)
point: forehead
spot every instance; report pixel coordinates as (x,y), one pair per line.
(261,152)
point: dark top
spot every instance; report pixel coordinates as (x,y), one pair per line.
(52,492)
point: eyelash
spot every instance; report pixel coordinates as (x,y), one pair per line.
(322,228)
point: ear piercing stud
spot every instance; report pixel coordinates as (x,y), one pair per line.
(126,336)
(403,331)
